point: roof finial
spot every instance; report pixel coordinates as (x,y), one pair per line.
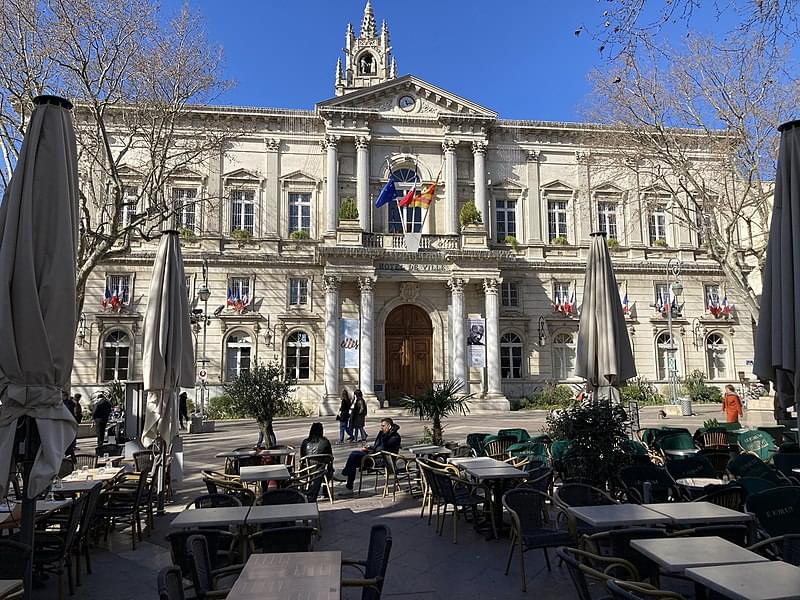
(338,79)
(368,22)
(393,69)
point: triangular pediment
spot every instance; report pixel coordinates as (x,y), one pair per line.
(608,188)
(557,187)
(406,96)
(242,175)
(299,177)
(186,173)
(509,185)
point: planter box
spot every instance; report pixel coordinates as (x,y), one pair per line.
(474,237)
(349,234)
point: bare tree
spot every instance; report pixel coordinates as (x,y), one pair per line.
(134,78)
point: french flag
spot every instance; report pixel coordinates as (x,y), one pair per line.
(106,301)
(231,299)
(726,307)
(625,307)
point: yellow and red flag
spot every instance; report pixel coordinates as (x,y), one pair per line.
(424,199)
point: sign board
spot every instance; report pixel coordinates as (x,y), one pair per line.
(203,374)
(348,342)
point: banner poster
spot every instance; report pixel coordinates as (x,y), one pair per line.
(476,342)
(348,342)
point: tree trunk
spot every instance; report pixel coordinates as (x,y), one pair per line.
(437,431)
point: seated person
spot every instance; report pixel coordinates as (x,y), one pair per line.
(387,439)
(317,443)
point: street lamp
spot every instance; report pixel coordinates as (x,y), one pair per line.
(204,294)
(675,289)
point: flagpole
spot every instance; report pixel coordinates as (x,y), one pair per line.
(428,209)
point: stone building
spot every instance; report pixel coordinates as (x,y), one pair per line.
(348,303)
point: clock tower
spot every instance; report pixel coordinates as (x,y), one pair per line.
(367,58)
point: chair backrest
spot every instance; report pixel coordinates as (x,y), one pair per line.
(316,459)
(518,433)
(295,538)
(620,547)
(575,573)
(143,461)
(580,494)
(70,531)
(626,590)
(497,446)
(15,559)
(542,482)
(791,549)
(475,441)
(246,496)
(197,549)
(733,532)
(218,542)
(170,584)
(749,465)
(85,460)
(777,510)
(311,482)
(785,462)
(718,458)
(730,495)
(679,440)
(759,443)
(462,451)
(89,510)
(526,507)
(110,449)
(214,501)
(716,437)
(690,466)
(754,485)
(380,546)
(283,496)
(559,449)
(528,449)
(634,477)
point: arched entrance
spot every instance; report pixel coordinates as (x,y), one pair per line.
(409,357)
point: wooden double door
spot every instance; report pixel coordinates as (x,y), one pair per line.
(409,352)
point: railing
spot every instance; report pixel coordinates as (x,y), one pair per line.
(396,241)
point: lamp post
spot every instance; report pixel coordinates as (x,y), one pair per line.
(204,294)
(674,290)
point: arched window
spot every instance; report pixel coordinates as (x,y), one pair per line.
(510,356)
(716,356)
(666,353)
(116,356)
(238,349)
(404,178)
(563,355)
(298,355)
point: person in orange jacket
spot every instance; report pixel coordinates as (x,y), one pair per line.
(731,405)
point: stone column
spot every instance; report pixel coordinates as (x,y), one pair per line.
(586,215)
(366,336)
(332,183)
(459,349)
(494,388)
(331,399)
(479,163)
(450,186)
(537,213)
(362,183)
(270,221)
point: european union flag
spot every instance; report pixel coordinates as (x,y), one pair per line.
(388,193)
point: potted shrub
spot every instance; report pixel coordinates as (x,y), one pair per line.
(613,244)
(560,240)
(299,234)
(186,234)
(659,243)
(348,211)
(469,215)
(438,403)
(511,241)
(241,235)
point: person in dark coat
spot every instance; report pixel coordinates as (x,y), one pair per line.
(388,439)
(343,416)
(316,443)
(100,416)
(78,408)
(69,402)
(358,417)
(183,409)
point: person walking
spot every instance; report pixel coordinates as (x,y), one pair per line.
(732,405)
(359,418)
(100,416)
(78,408)
(183,409)
(343,416)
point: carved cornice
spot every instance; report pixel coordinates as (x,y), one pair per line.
(330,141)
(583,157)
(532,155)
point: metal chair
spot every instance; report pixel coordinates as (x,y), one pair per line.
(777,510)
(221,546)
(460,494)
(529,527)
(125,505)
(85,529)
(398,469)
(617,543)
(208,582)
(326,460)
(214,501)
(781,547)
(85,460)
(730,495)
(110,449)
(580,565)
(170,584)
(475,441)
(633,479)
(374,567)
(295,538)
(718,458)
(497,446)
(626,590)
(579,494)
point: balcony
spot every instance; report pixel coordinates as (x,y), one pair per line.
(396,241)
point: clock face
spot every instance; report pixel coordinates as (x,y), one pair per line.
(406,103)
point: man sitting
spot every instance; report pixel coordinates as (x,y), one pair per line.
(387,439)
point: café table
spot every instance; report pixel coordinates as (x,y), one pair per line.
(281,513)
(76,486)
(103,474)
(702,513)
(771,580)
(618,515)
(429,450)
(280,576)
(9,586)
(497,477)
(475,461)
(210,517)
(264,474)
(676,554)
(11,512)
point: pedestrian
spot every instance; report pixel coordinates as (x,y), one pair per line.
(358,418)
(78,408)
(183,409)
(732,405)
(100,416)
(388,439)
(343,416)
(69,402)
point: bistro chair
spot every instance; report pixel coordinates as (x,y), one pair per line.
(398,469)
(676,443)
(777,510)
(759,443)
(214,501)
(294,538)
(633,479)
(85,460)
(326,460)
(617,543)
(626,590)
(785,462)
(558,453)
(110,449)
(690,466)
(373,568)
(85,529)
(497,446)
(579,494)
(582,566)
(475,441)
(170,584)
(733,532)
(236,489)
(754,485)
(463,451)
(530,527)
(208,582)
(460,494)
(221,545)
(715,438)
(308,481)
(730,495)
(519,434)
(718,458)
(430,495)
(125,505)
(749,465)
(781,547)
(371,464)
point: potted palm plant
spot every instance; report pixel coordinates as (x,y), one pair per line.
(437,403)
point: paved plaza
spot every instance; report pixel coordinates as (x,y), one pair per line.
(422,566)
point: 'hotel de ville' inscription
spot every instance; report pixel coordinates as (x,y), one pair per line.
(413,267)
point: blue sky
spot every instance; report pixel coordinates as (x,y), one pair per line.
(519,58)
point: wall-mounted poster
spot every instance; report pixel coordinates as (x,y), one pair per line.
(348,342)
(476,342)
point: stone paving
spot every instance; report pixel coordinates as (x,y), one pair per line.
(423,565)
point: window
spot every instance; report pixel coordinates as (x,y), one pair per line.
(657,222)
(509,294)
(666,357)
(300,212)
(237,355)
(242,210)
(510,356)
(661,299)
(184,205)
(130,202)
(563,356)
(506,219)
(239,289)
(189,287)
(405,178)
(298,292)
(298,350)
(607,218)
(716,356)
(118,286)
(116,354)
(556,219)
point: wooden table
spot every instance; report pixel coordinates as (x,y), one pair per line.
(772,580)
(211,517)
(9,586)
(279,513)
(675,555)
(290,575)
(618,515)
(695,513)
